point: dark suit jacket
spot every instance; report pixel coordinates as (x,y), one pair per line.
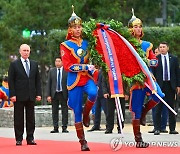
(52,83)
(174,72)
(99,84)
(22,86)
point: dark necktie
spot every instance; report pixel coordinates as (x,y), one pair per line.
(165,69)
(59,79)
(27,68)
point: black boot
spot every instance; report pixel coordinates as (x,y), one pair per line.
(137,134)
(148,106)
(64,129)
(87,108)
(80,135)
(55,130)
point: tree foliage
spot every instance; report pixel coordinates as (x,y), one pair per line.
(46,15)
(170,35)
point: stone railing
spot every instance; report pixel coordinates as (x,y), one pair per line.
(6,117)
(43,116)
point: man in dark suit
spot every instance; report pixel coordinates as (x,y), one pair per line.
(111,106)
(57,92)
(168,77)
(99,105)
(25,88)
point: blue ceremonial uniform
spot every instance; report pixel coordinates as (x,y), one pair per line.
(5,90)
(80,79)
(139,92)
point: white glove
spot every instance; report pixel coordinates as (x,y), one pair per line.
(91,67)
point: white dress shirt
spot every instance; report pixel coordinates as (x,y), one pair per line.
(24,63)
(61,69)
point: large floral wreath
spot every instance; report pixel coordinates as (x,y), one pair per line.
(97,58)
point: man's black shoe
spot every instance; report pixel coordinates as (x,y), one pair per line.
(152,131)
(164,131)
(119,132)
(157,132)
(65,131)
(93,129)
(32,142)
(173,132)
(18,143)
(54,131)
(108,132)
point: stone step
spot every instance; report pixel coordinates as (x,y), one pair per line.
(43,117)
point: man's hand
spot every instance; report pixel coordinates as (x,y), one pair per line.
(49,99)
(106,95)
(38,98)
(126,97)
(178,90)
(13,99)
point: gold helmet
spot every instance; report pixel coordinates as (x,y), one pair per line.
(74,19)
(134,22)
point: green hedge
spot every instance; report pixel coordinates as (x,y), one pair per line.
(171,35)
(153,34)
(55,37)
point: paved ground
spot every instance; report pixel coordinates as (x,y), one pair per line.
(43,133)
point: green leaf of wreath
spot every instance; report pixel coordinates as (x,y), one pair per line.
(96,58)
